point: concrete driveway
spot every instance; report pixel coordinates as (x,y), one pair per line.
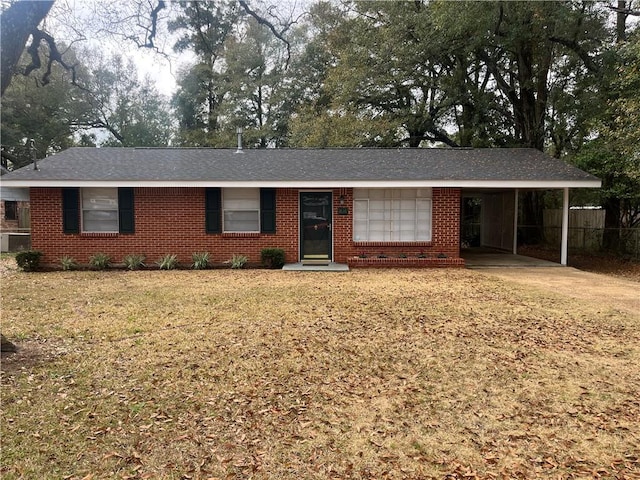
(479,258)
(620,294)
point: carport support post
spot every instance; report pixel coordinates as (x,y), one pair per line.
(515,222)
(565,227)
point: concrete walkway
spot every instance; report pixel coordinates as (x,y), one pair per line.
(332,267)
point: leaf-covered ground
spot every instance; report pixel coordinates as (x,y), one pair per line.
(269,374)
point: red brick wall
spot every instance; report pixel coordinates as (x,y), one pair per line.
(171,220)
(167,221)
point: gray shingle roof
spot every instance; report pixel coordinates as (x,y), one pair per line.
(184,165)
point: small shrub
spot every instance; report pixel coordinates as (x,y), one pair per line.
(382,255)
(200,260)
(442,255)
(68,263)
(100,261)
(402,255)
(29,260)
(272,257)
(133,261)
(168,262)
(363,255)
(238,261)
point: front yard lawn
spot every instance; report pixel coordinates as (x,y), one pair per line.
(267,374)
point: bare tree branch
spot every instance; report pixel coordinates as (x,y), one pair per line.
(154,24)
(625,11)
(263,21)
(39,36)
(580,51)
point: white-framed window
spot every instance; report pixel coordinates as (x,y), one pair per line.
(392,215)
(99,209)
(241,210)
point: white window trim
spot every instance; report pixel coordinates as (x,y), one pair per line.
(82,211)
(224,210)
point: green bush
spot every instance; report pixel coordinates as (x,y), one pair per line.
(168,262)
(29,260)
(272,257)
(238,261)
(200,260)
(100,261)
(68,263)
(133,261)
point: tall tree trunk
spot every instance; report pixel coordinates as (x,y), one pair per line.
(621,21)
(415,138)
(611,241)
(17,23)
(212,117)
(611,235)
(467,125)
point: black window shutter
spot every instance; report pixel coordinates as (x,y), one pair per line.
(212,207)
(126,217)
(268,210)
(71,210)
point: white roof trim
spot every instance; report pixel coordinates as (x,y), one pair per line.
(316,183)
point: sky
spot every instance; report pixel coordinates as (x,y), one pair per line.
(79,22)
(83,22)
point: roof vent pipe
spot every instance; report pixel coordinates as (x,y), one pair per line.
(33,152)
(239,132)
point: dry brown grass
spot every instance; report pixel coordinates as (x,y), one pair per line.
(271,374)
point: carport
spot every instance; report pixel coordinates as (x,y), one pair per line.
(489,224)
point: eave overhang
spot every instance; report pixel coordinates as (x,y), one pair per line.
(504,184)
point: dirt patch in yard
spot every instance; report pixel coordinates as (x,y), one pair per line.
(596,289)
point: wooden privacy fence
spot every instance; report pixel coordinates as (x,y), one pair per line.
(586,231)
(585,227)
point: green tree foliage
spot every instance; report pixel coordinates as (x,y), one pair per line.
(130,110)
(203,28)
(237,80)
(108,99)
(321,118)
(255,66)
(463,73)
(626,107)
(613,154)
(48,114)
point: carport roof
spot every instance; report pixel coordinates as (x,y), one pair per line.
(302,168)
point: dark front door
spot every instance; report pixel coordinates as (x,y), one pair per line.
(315,225)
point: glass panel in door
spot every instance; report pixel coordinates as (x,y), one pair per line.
(315,225)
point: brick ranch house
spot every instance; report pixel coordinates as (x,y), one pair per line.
(318,205)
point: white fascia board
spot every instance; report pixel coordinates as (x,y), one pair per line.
(531,184)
